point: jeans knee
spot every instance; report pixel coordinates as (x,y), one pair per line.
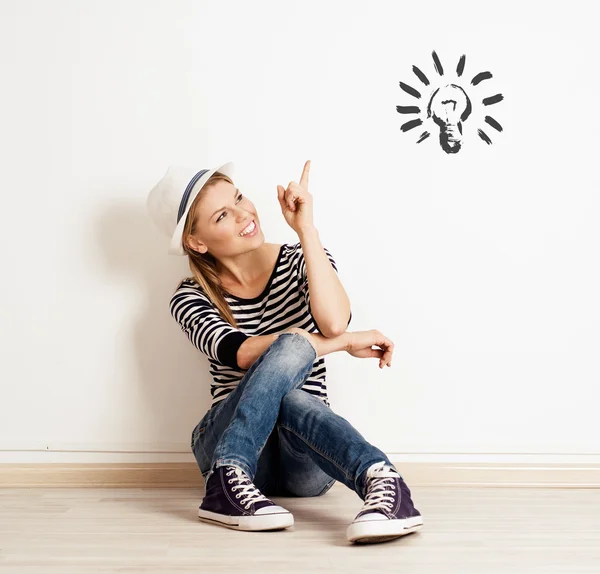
(296,345)
(300,406)
(295,397)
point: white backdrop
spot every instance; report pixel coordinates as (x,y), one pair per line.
(481,266)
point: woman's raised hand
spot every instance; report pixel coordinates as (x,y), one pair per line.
(296,202)
(360,342)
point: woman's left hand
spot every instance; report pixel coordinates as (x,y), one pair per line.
(296,202)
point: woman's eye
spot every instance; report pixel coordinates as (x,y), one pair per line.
(225,213)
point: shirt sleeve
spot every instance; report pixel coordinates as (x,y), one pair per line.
(200,320)
(303,278)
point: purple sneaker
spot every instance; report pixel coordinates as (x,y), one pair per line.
(233,501)
(388,511)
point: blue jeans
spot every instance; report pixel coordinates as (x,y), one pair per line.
(287,441)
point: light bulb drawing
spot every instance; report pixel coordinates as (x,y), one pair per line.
(449,106)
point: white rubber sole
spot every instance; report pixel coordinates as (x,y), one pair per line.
(256,522)
(368,531)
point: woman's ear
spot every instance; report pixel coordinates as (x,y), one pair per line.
(196,245)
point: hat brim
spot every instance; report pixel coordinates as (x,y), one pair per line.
(176,246)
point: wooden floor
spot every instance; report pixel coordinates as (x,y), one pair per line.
(466,530)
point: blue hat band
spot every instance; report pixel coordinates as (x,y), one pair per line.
(188,191)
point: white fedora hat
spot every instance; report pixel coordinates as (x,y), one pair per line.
(169,201)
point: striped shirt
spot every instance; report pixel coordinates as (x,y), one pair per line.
(284,303)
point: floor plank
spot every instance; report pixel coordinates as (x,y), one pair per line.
(466,530)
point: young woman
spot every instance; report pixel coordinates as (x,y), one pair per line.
(270,429)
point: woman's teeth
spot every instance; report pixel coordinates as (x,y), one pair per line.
(249,229)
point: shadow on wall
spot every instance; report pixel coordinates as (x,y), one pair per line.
(171,374)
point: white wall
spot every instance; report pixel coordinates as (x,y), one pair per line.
(482,266)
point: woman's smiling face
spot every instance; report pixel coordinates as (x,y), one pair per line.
(223,213)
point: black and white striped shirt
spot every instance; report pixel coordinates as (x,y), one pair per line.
(284,303)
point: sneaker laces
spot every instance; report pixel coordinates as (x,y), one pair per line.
(379,479)
(249,493)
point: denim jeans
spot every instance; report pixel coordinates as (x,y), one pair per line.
(287,441)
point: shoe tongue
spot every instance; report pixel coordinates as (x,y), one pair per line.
(241,474)
(382,470)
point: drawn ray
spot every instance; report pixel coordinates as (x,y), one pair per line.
(410,125)
(424,136)
(484,137)
(461,65)
(410,90)
(437,64)
(420,75)
(480,77)
(408,109)
(493,100)
(493,123)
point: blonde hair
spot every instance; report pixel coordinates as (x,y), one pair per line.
(204,265)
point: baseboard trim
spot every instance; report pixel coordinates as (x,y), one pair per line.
(187,475)
(101,475)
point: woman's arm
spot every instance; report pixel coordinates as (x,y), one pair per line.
(329,302)
(254,347)
(325,345)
